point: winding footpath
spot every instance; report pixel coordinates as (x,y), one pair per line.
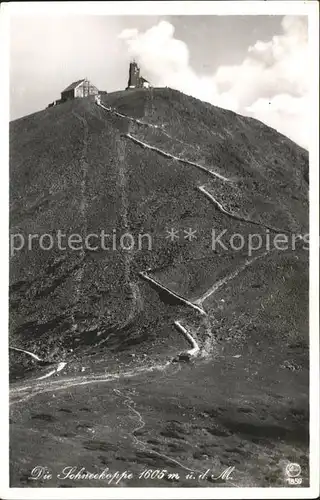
(173,294)
(129,402)
(128,254)
(84,166)
(195,346)
(228,278)
(235,216)
(34,356)
(140,122)
(196,305)
(36,387)
(157,150)
(42,362)
(58,369)
(33,388)
(177,158)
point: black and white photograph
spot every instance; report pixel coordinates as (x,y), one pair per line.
(160,315)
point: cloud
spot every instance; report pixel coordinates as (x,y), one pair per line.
(286,113)
(270,84)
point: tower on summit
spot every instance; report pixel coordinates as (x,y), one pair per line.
(135,80)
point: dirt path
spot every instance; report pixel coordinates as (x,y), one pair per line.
(177,158)
(204,323)
(136,302)
(196,349)
(142,123)
(157,150)
(228,278)
(129,402)
(58,369)
(235,216)
(34,356)
(35,388)
(173,294)
(195,346)
(83,162)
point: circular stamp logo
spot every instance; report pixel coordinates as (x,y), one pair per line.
(293,470)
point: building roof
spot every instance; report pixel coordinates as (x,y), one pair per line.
(74,85)
(143,79)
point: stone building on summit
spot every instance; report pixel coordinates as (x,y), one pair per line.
(84,88)
(80,88)
(136,81)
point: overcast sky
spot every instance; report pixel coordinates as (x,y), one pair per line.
(254,65)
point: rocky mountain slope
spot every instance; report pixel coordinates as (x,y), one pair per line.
(147,162)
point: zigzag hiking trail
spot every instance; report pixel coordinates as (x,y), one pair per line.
(179,357)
